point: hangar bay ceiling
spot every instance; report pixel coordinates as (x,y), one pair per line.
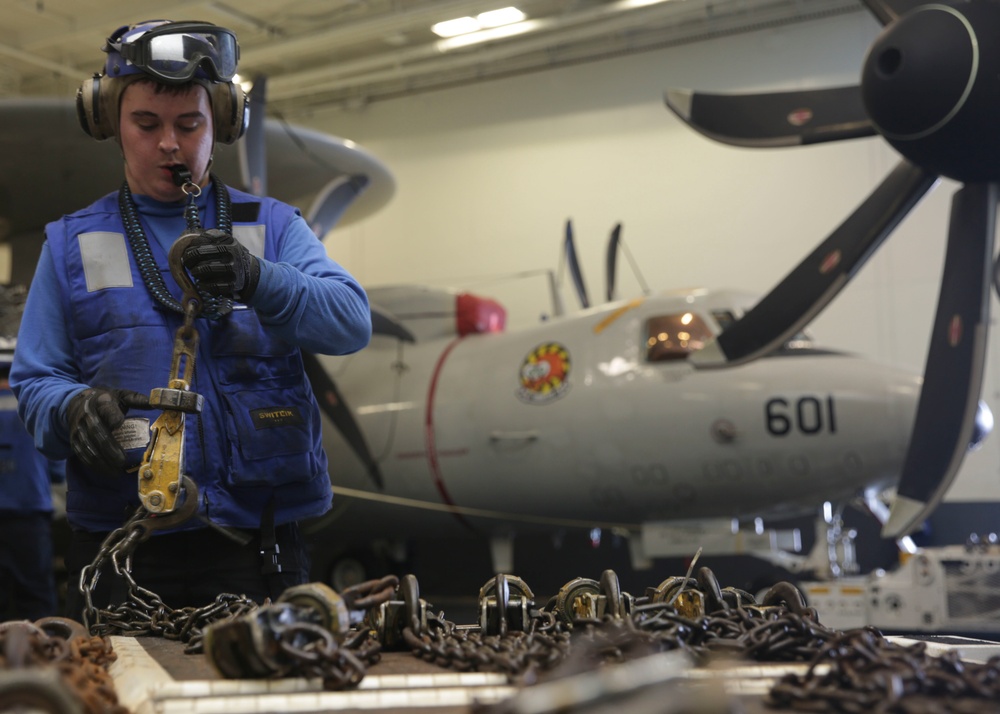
(321,53)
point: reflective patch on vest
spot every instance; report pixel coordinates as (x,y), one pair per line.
(252,238)
(270,417)
(105,261)
(8,403)
(133,433)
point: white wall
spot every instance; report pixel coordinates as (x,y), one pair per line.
(488,174)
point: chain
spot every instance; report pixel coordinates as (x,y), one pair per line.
(65,662)
(468,649)
(771,634)
(117,548)
(309,650)
(144,612)
(860,671)
(213,307)
(856,672)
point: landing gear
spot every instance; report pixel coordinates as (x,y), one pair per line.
(352,565)
(831,534)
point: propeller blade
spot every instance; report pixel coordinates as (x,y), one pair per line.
(886,11)
(332,404)
(953,376)
(774,119)
(253,149)
(816,280)
(612,261)
(385,323)
(333,200)
(569,248)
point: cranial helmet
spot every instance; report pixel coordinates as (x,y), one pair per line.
(170,53)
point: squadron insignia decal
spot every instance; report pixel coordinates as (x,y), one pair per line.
(544,373)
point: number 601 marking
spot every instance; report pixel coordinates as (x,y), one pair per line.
(810,415)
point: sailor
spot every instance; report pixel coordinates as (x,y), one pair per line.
(27,576)
(103,310)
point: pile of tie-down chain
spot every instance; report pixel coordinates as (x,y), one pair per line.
(308,632)
(55,665)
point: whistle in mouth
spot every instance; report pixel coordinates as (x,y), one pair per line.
(180,174)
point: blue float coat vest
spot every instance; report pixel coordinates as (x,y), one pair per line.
(258,436)
(24,477)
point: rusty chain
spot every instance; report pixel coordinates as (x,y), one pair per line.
(54,665)
(853,671)
(781,632)
(306,633)
(860,671)
(312,651)
(467,649)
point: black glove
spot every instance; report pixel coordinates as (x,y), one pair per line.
(91,416)
(222,266)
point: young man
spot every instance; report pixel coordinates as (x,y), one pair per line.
(103,310)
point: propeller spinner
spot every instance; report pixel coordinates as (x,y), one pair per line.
(930,86)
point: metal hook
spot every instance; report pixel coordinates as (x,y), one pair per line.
(180,273)
(187,509)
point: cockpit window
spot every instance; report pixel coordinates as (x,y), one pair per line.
(725,318)
(673,337)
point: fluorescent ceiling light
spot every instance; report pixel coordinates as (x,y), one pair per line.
(493,33)
(503,16)
(458,26)
(465,25)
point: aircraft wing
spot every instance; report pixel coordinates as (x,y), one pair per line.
(302,162)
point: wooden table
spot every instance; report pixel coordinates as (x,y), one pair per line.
(154,676)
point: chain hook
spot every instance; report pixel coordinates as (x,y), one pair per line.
(192,301)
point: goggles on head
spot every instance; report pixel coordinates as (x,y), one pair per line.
(174,52)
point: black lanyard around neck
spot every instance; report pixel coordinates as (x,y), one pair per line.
(212,307)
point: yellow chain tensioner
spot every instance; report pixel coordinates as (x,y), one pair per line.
(163,463)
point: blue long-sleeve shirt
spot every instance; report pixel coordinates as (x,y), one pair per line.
(304,297)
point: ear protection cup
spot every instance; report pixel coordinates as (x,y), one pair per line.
(97,103)
(93,118)
(230,109)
